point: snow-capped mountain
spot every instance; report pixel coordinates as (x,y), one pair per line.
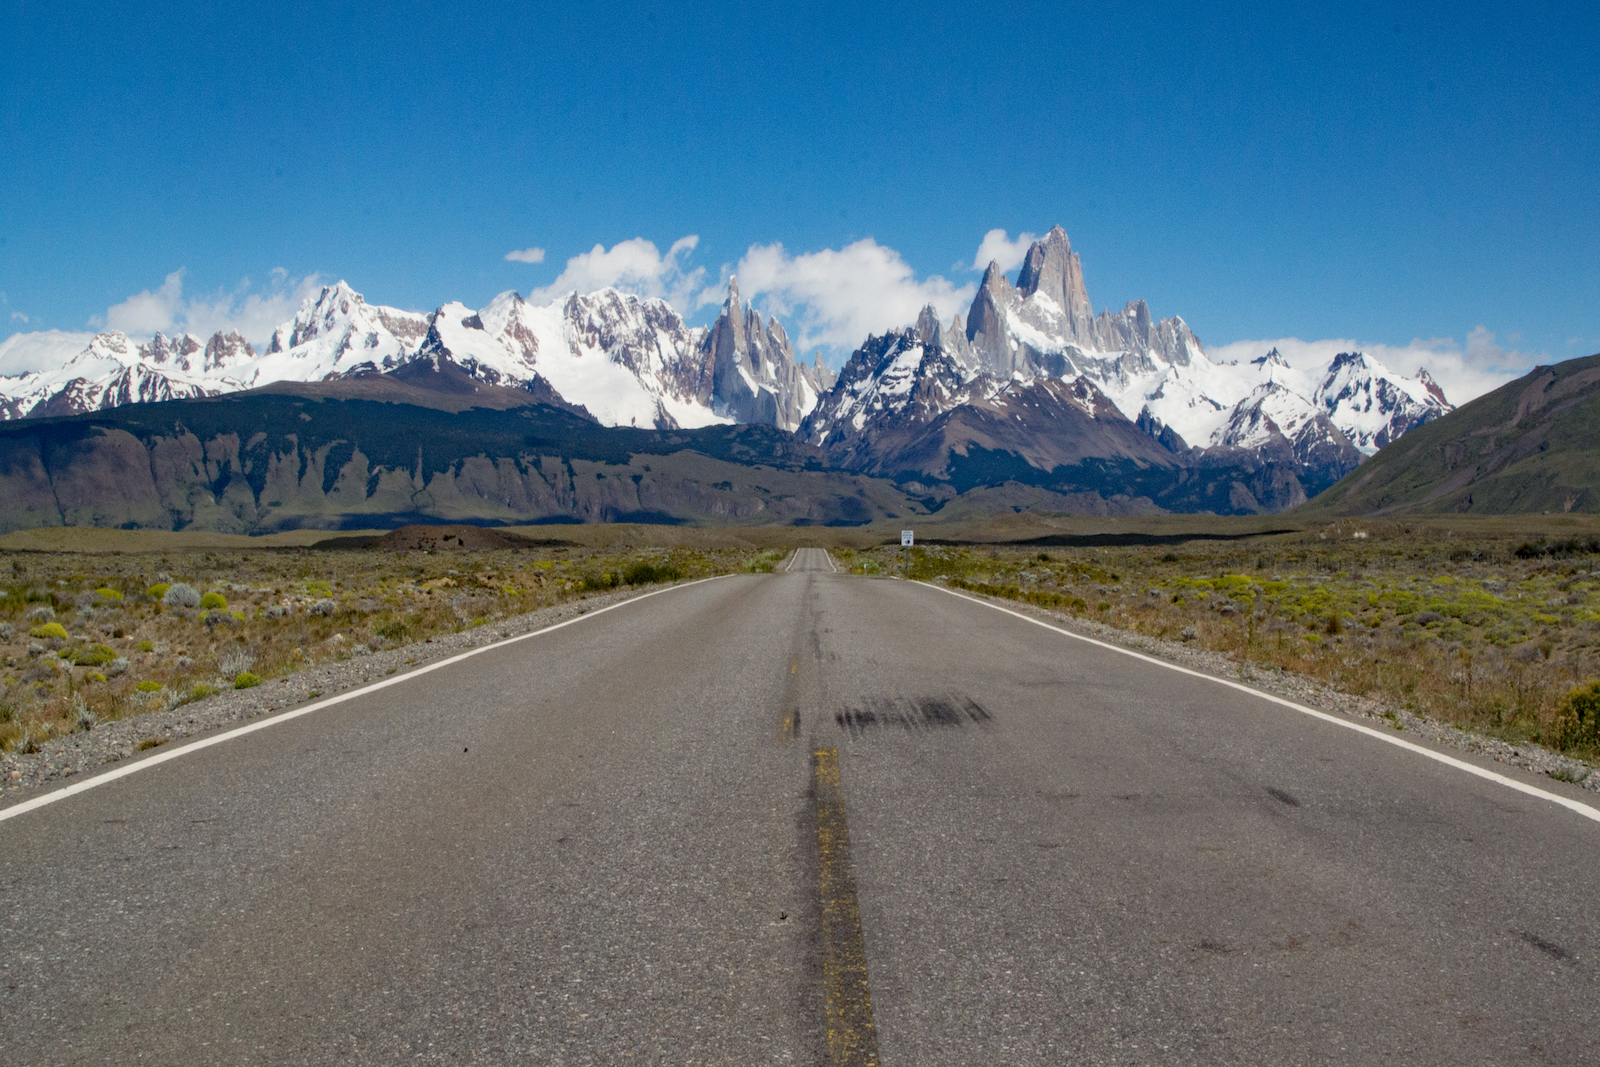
(1155,372)
(112,371)
(632,361)
(627,361)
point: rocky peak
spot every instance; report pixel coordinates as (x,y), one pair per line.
(1431,386)
(986,322)
(929,332)
(1272,359)
(334,306)
(225,350)
(1051,267)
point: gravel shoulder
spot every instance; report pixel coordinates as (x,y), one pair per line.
(22,775)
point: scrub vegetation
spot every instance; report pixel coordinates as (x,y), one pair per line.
(87,638)
(1497,632)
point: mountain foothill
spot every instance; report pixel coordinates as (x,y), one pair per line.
(607,406)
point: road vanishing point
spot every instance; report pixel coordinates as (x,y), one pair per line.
(802,818)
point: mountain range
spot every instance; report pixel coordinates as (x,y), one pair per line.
(1532,445)
(1117,412)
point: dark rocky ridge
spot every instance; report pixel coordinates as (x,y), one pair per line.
(380,452)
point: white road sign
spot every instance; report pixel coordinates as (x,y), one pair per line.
(905,538)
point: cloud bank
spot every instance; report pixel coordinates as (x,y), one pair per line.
(23,353)
(635,266)
(1465,373)
(836,297)
(251,311)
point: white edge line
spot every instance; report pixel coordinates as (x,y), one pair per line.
(792,560)
(261,724)
(1511,783)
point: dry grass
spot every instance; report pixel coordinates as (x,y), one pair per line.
(128,652)
(1459,627)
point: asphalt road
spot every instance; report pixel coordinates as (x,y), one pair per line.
(799,818)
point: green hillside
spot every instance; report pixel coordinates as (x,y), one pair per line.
(1531,446)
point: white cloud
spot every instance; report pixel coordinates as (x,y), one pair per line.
(22,353)
(145,313)
(252,312)
(254,315)
(1465,373)
(995,248)
(526,255)
(836,297)
(635,266)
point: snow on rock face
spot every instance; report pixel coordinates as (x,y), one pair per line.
(628,361)
(333,334)
(1154,370)
(111,371)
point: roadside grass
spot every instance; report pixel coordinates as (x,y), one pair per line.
(91,637)
(1498,634)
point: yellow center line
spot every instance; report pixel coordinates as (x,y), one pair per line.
(852,1037)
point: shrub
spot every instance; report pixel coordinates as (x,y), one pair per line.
(42,613)
(94,676)
(48,630)
(322,607)
(107,593)
(83,714)
(393,631)
(147,686)
(245,680)
(1577,546)
(91,656)
(648,573)
(600,581)
(212,601)
(1577,724)
(146,646)
(157,591)
(181,596)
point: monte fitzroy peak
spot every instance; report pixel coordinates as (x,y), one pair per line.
(1116,412)
(1031,400)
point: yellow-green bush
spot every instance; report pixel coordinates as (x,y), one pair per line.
(1577,724)
(91,655)
(157,591)
(212,601)
(48,630)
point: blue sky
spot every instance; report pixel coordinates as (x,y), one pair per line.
(1371,173)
